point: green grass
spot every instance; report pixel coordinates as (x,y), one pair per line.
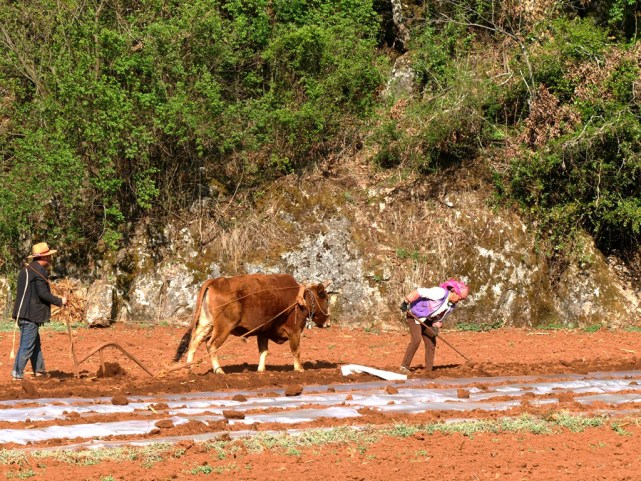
(618,428)
(147,455)
(29,473)
(592,327)
(293,452)
(26,474)
(295,445)
(9,325)
(556,326)
(549,326)
(479,327)
(372,330)
(415,255)
(206,469)
(552,326)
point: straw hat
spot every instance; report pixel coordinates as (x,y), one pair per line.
(41,249)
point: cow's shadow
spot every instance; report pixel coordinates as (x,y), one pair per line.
(440,367)
(446,366)
(247,367)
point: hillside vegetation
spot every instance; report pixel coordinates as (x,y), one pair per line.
(115,110)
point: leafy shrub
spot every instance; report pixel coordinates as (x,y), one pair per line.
(580,155)
(127,108)
(587,180)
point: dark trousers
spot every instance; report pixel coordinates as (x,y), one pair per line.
(29,350)
(418,332)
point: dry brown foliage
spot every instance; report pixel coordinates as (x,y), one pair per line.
(244,234)
(74,310)
(547,120)
(591,77)
(397,111)
(527,11)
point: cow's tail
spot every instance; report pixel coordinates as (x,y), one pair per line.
(186,339)
(184,345)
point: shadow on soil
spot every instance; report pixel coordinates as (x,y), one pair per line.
(245,377)
(246,367)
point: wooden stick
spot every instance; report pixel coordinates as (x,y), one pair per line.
(435,334)
(12,355)
(429,329)
(76,372)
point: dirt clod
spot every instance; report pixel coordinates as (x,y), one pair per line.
(164,424)
(463,393)
(112,369)
(293,390)
(391,390)
(565,397)
(229,414)
(29,388)
(119,400)
(239,398)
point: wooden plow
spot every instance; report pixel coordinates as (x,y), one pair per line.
(99,350)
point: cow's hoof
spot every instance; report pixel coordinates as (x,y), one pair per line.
(219,370)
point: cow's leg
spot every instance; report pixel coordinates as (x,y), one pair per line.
(219,337)
(213,355)
(262,351)
(225,322)
(201,331)
(294,346)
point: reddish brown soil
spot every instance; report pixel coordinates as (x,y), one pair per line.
(596,453)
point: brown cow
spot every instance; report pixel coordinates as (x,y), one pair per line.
(271,307)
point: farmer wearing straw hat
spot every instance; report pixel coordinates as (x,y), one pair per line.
(33,308)
(425,309)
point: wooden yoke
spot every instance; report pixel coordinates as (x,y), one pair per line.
(300,297)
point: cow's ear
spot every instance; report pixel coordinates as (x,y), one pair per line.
(320,290)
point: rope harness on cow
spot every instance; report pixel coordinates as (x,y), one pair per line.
(313,302)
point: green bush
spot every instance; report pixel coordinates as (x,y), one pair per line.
(125,108)
(587,180)
(584,177)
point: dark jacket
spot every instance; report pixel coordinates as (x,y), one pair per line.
(33,284)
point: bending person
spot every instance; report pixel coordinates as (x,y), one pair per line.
(429,307)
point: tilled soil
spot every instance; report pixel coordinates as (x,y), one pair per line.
(596,453)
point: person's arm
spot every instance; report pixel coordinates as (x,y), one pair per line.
(412,296)
(44,292)
(431,293)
